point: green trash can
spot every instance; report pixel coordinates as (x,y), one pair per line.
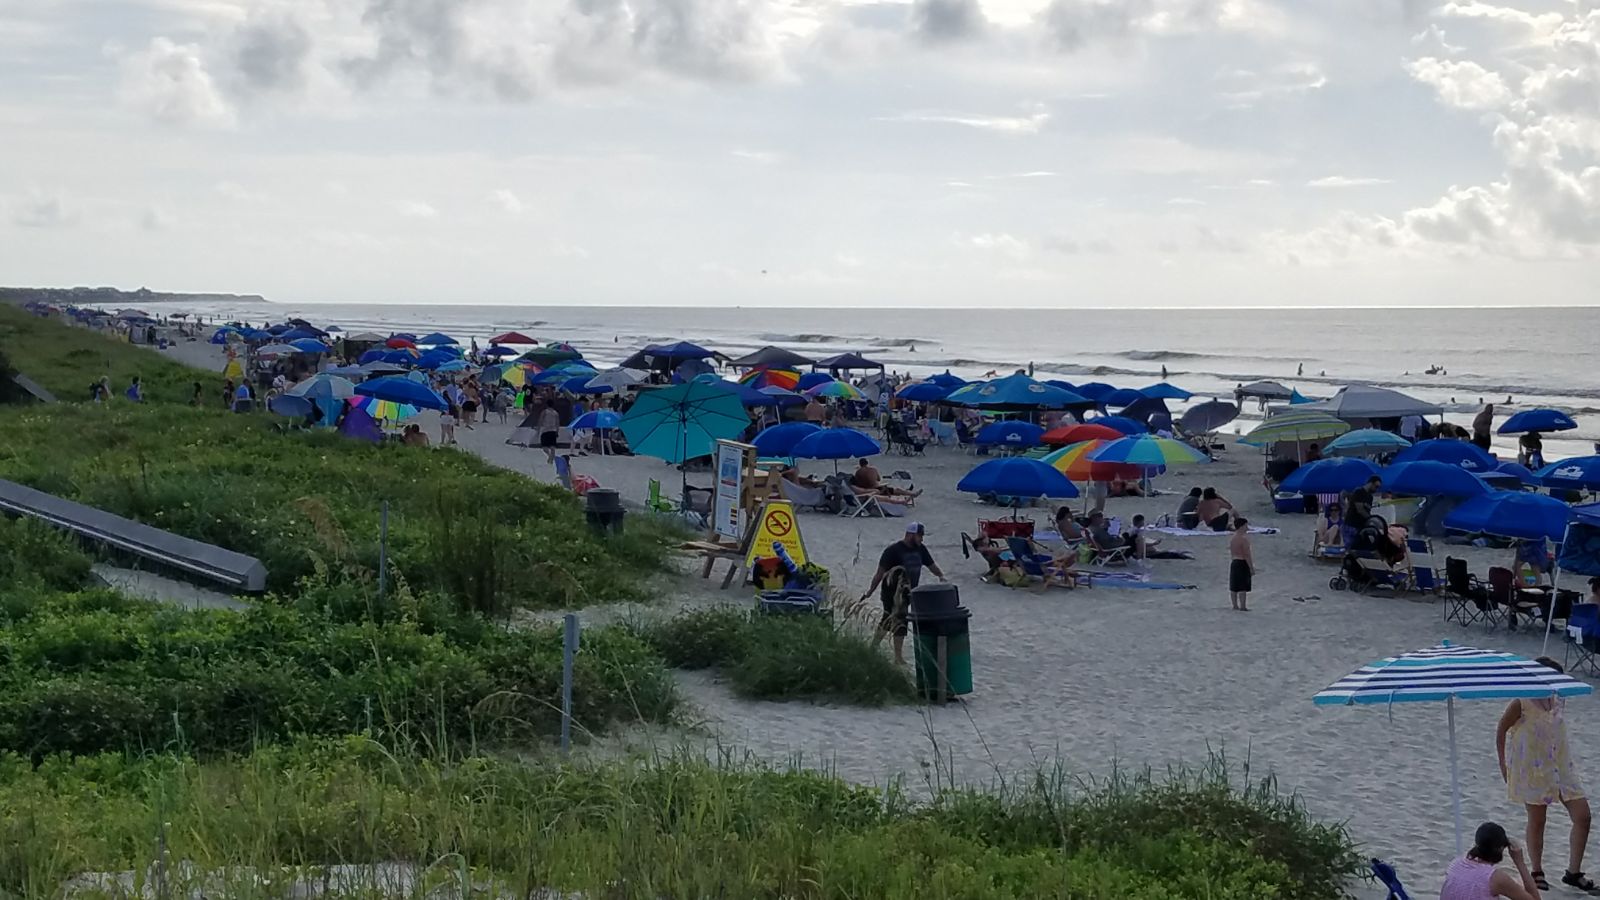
(941,648)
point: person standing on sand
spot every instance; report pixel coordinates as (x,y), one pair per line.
(1482,423)
(1538,771)
(1475,876)
(549,430)
(899,570)
(1241,565)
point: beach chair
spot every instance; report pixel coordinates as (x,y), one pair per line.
(1583,637)
(1424,575)
(657,503)
(944,433)
(1390,879)
(850,504)
(804,497)
(1321,551)
(1503,594)
(1042,565)
(964,441)
(1466,600)
(1104,556)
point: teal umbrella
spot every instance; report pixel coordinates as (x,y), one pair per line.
(683,421)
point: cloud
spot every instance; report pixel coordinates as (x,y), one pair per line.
(1001,243)
(1462,84)
(1037,173)
(937,21)
(41,210)
(271,53)
(1184,201)
(155,218)
(1344,181)
(169,82)
(508,202)
(1070,246)
(1243,88)
(415,209)
(1015,125)
(239,193)
(1071,25)
(759,156)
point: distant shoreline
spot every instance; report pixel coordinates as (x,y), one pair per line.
(114,297)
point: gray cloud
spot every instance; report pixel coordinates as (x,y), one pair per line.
(39,210)
(938,21)
(271,53)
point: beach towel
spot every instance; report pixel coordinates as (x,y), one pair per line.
(1135,580)
(1204,532)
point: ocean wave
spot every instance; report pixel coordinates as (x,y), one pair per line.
(1175,355)
(819,338)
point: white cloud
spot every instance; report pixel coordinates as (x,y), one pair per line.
(415,209)
(239,193)
(1037,173)
(169,82)
(1004,244)
(507,202)
(1185,201)
(1013,125)
(758,156)
(156,218)
(1243,88)
(44,210)
(1463,84)
(1344,181)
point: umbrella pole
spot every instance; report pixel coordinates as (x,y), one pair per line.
(1455,771)
(1555,589)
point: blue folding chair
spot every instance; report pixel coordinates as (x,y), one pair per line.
(1586,619)
(1390,879)
(1040,565)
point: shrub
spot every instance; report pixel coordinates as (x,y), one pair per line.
(92,671)
(780,657)
(670,827)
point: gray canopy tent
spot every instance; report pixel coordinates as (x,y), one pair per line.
(1365,402)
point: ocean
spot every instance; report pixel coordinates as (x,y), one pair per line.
(1535,356)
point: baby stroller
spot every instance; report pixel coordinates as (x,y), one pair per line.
(1368,558)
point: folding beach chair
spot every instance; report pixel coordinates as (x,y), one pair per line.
(1583,637)
(850,504)
(1390,879)
(1503,594)
(657,503)
(1466,600)
(1424,578)
(1042,565)
(1105,556)
(1319,550)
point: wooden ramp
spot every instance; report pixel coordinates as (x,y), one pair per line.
(34,388)
(237,571)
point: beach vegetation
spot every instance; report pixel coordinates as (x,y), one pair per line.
(670,825)
(65,360)
(776,657)
(489,539)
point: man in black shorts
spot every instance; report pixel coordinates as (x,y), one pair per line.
(899,570)
(1241,565)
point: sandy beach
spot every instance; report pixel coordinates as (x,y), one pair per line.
(1112,676)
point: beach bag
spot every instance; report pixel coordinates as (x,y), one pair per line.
(1000,529)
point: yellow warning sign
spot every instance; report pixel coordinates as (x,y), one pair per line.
(777,524)
(233,370)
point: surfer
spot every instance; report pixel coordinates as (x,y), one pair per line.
(1163,371)
(1300,370)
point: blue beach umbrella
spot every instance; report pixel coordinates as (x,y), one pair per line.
(811,379)
(1451,451)
(1010,434)
(1017,478)
(924,392)
(683,421)
(599,420)
(290,407)
(1094,390)
(454,365)
(404,336)
(1329,476)
(579,384)
(1511,514)
(835,444)
(1432,479)
(1121,397)
(380,368)
(1121,423)
(299,333)
(1578,473)
(1365,441)
(310,345)
(498,351)
(400,389)
(1537,420)
(946,380)
(1014,393)
(782,397)
(1448,672)
(779,440)
(437,339)
(1510,468)
(1165,391)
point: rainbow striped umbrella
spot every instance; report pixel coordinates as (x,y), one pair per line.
(1148,450)
(383,409)
(788,379)
(837,390)
(1073,461)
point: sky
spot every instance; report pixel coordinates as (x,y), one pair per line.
(968,153)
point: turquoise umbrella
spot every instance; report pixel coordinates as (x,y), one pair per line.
(683,421)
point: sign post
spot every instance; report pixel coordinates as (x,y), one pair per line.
(727,501)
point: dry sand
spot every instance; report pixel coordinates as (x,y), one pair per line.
(1098,677)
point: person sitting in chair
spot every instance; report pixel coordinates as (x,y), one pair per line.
(1067,526)
(791,474)
(1330,531)
(867,478)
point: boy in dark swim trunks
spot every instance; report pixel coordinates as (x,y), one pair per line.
(1241,565)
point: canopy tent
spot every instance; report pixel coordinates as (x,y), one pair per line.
(769,357)
(1262,390)
(1362,401)
(666,357)
(845,362)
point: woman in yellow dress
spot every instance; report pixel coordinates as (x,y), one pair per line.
(1537,767)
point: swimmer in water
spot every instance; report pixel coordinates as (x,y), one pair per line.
(913,349)
(1163,372)
(1300,369)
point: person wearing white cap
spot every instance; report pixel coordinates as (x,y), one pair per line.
(899,570)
